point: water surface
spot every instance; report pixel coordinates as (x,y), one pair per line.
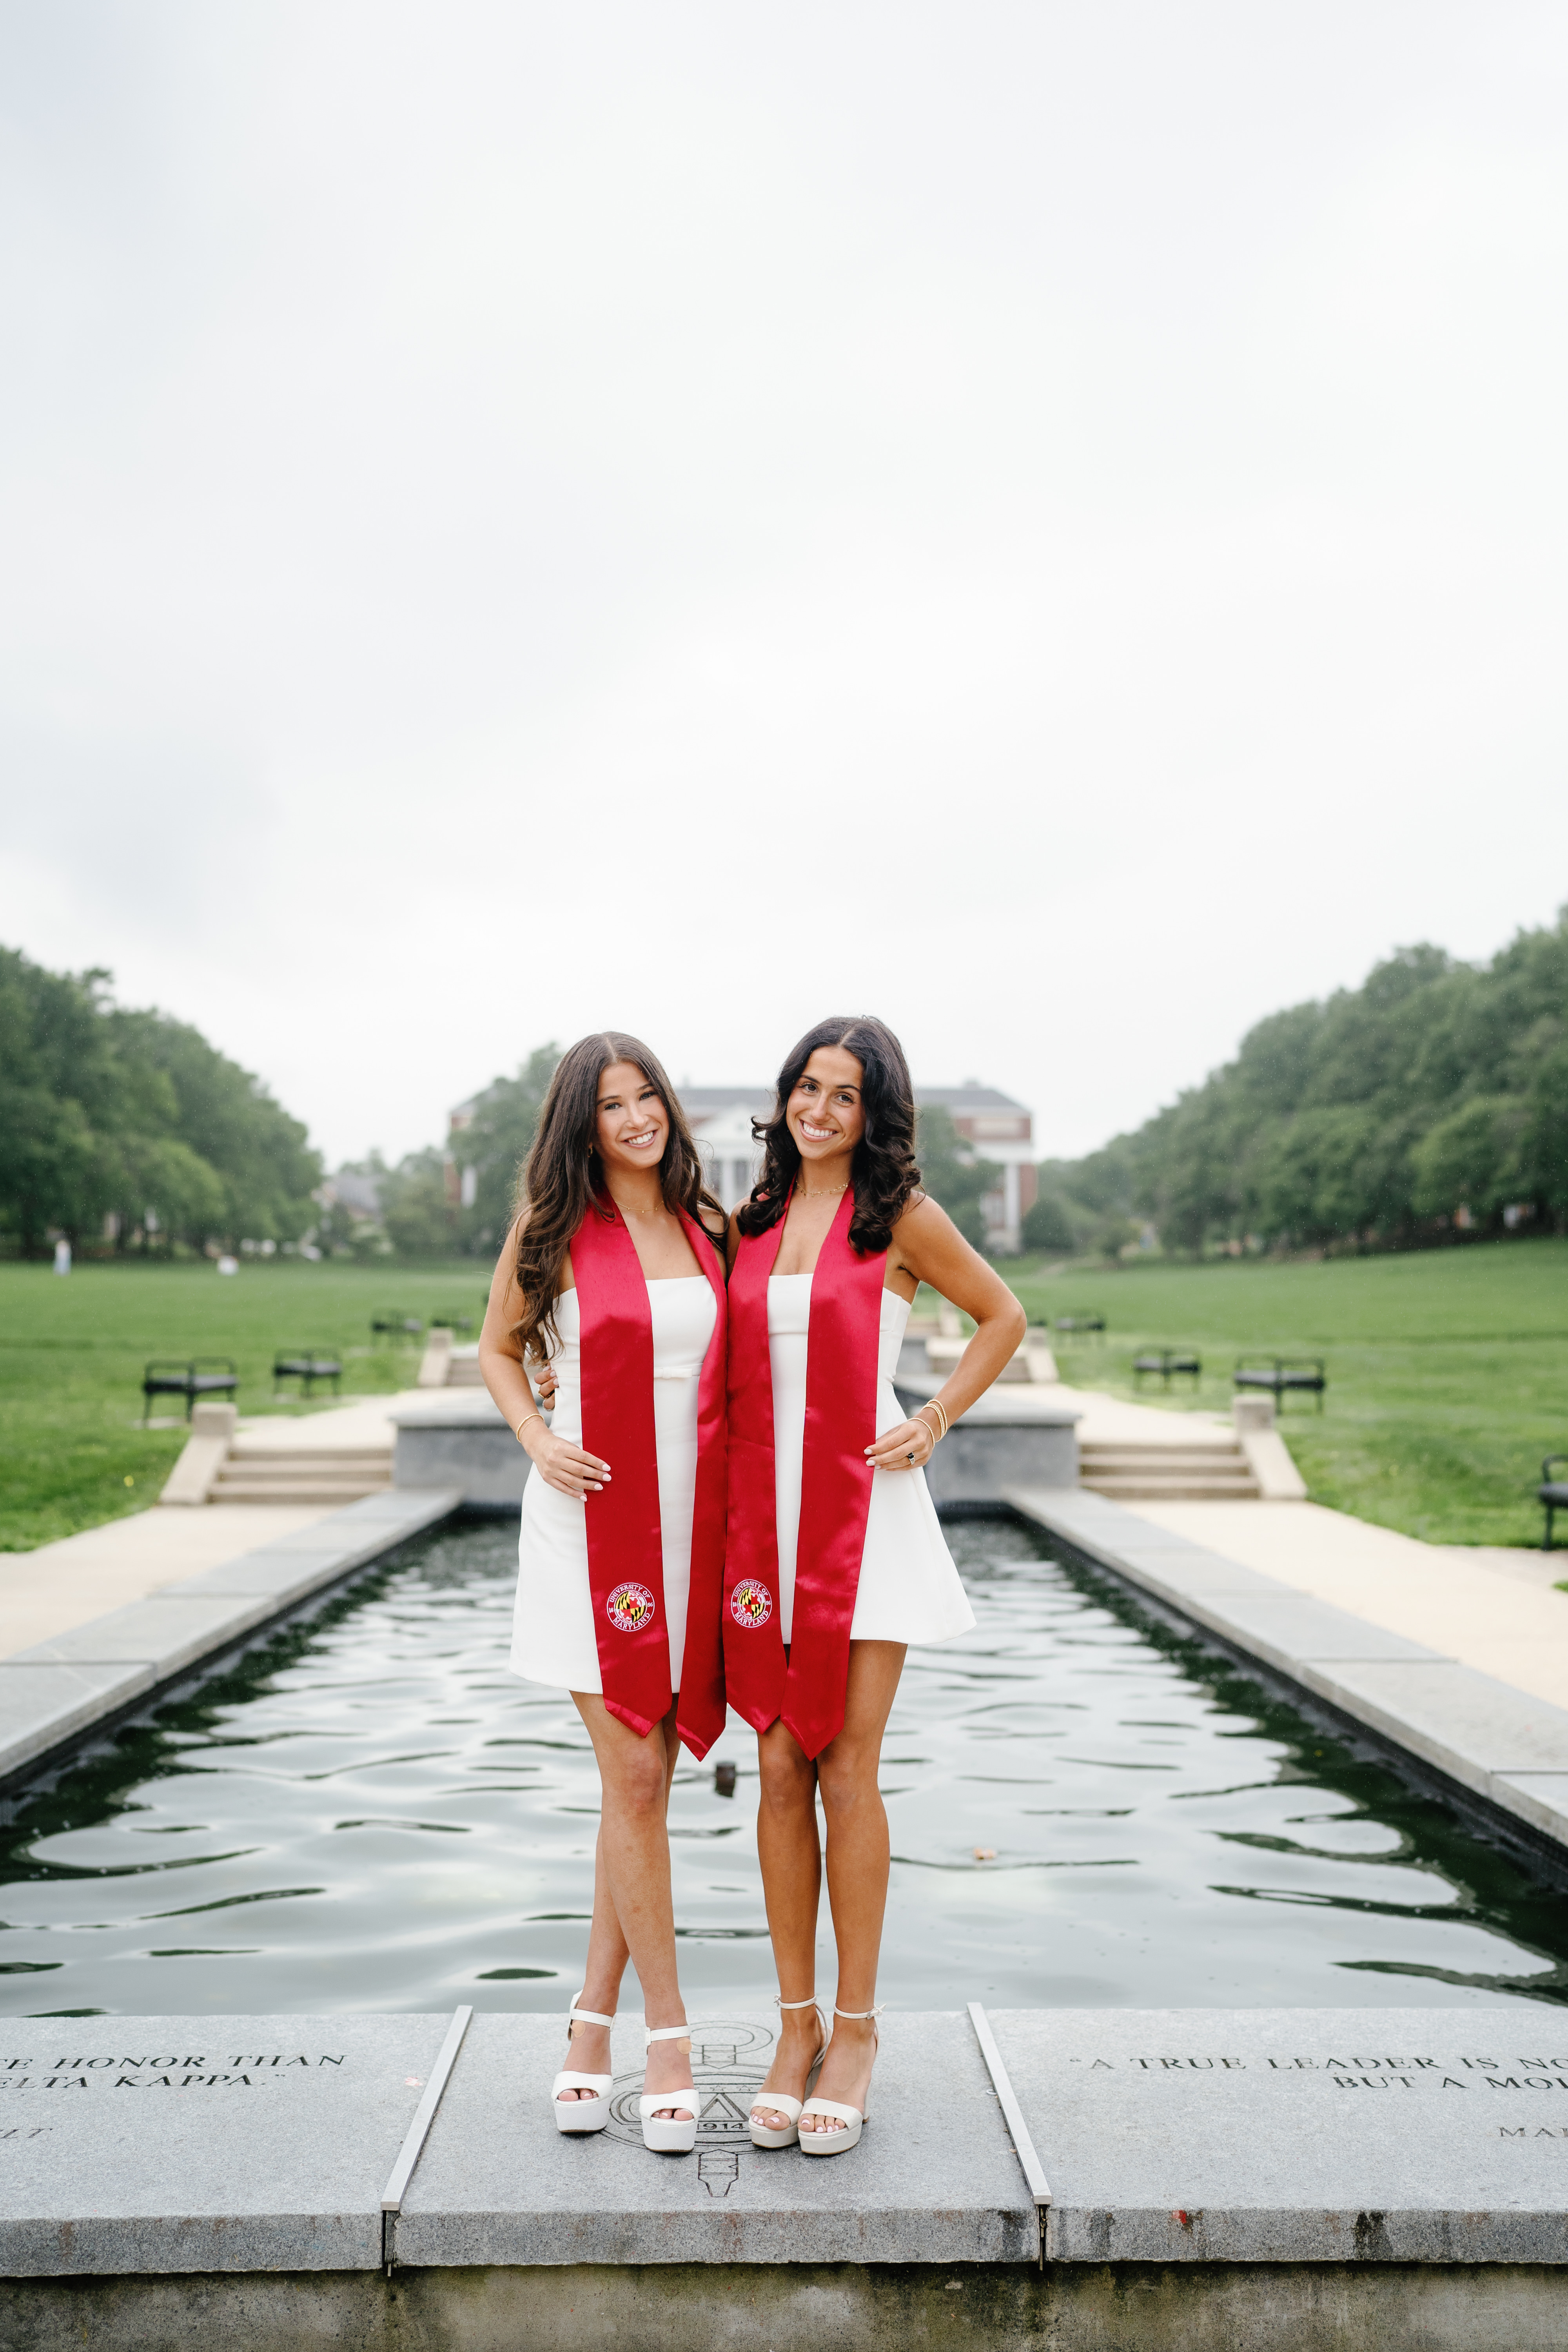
(371,1813)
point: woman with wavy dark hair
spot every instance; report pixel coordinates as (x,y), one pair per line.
(835,1560)
(611,1274)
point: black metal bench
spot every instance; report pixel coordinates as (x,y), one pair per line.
(1282,1375)
(1080,1322)
(190,1377)
(1552,1493)
(396,1327)
(306,1365)
(1166,1362)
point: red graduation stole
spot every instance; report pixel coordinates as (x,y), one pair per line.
(625,1555)
(835,1486)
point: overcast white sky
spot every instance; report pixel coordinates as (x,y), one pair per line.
(1044,521)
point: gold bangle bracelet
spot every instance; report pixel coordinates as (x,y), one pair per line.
(936,1434)
(522,1424)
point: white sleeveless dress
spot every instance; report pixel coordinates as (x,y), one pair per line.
(909,1590)
(553,1637)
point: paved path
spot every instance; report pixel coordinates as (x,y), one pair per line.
(357,1421)
(1116,1421)
(65,1584)
(1493,1610)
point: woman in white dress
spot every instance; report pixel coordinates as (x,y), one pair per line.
(612,1274)
(835,1560)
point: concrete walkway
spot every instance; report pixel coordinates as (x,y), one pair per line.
(1113,1421)
(65,1584)
(356,1421)
(1493,1610)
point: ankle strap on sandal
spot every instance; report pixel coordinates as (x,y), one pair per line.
(652,2033)
(780,2003)
(881,2005)
(588,2016)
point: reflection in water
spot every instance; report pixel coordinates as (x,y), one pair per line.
(371,1813)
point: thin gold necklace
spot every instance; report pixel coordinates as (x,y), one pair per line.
(823,1193)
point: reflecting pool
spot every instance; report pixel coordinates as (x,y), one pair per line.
(371,1813)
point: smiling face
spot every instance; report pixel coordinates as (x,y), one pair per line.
(825,1113)
(631,1127)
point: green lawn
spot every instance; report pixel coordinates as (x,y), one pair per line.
(72,1354)
(1448,1369)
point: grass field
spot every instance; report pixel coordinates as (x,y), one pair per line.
(72,1354)
(1448,1370)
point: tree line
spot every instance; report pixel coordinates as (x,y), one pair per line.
(1431,1100)
(125,1130)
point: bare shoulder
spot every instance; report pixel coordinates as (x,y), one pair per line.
(922,1221)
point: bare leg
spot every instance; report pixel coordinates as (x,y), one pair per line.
(632,1918)
(858,1852)
(792,1883)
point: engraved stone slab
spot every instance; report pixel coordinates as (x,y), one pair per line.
(143,2144)
(933,2179)
(1292,2136)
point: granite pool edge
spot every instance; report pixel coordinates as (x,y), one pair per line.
(59,1694)
(1496,1747)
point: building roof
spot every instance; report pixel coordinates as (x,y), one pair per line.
(969,1097)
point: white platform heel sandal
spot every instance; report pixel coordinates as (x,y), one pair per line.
(590,2114)
(669,2135)
(779,2102)
(849,2119)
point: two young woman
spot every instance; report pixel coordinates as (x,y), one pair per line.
(663,1569)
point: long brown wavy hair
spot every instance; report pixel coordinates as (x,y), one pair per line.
(883,1170)
(562,1180)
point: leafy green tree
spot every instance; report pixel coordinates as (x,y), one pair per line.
(1048,1224)
(421,1221)
(496,1144)
(1375,1116)
(952,1175)
(1472,1157)
(108,1115)
(1543,1146)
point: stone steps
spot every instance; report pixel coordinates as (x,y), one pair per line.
(1210,1469)
(328,1492)
(308,1474)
